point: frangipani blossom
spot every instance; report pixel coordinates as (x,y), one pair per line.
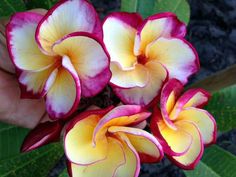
(144,53)
(182,127)
(59,55)
(104,143)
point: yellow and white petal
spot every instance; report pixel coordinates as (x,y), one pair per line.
(21,43)
(119,36)
(78,144)
(191,158)
(144,96)
(136,77)
(177,55)
(120,116)
(66,17)
(144,143)
(204,121)
(33,84)
(64,95)
(89,58)
(191,98)
(105,168)
(158,25)
(131,167)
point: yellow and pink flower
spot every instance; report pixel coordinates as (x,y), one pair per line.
(181,126)
(59,55)
(145,53)
(105,143)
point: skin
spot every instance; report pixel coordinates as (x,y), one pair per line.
(14,110)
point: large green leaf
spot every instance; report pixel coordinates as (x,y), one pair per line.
(11,138)
(216,162)
(8,7)
(222,106)
(149,7)
(13,163)
(36,163)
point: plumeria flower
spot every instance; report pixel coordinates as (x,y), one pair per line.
(144,53)
(59,56)
(104,143)
(182,127)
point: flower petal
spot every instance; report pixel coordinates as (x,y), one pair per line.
(78,142)
(158,25)
(41,135)
(168,137)
(137,77)
(191,158)
(64,95)
(143,142)
(92,67)
(170,92)
(204,121)
(131,167)
(191,98)
(32,84)
(144,96)
(66,17)
(177,55)
(119,35)
(120,116)
(21,43)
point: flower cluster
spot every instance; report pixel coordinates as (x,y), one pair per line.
(67,54)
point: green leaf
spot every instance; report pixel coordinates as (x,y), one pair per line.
(202,170)
(150,7)
(64,173)
(8,7)
(45,4)
(35,163)
(222,106)
(11,138)
(216,162)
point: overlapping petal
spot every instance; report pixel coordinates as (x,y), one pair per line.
(156,26)
(23,49)
(58,22)
(143,96)
(181,126)
(118,148)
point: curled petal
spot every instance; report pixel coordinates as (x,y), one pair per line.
(170,93)
(119,34)
(144,143)
(114,159)
(57,22)
(120,116)
(92,67)
(177,55)
(204,121)
(78,142)
(170,138)
(145,95)
(191,98)
(132,161)
(137,77)
(191,158)
(63,97)
(156,26)
(41,135)
(22,47)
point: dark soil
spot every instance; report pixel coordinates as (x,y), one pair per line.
(212,30)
